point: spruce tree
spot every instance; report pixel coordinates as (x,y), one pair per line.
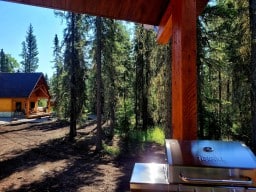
(98,23)
(29,52)
(7,62)
(116,66)
(223,68)
(74,64)
(144,48)
(57,77)
(252,4)
(3,63)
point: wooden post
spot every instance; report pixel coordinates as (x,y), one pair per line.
(27,107)
(184,73)
(48,105)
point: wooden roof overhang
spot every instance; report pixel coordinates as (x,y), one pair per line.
(151,12)
(176,19)
(41,90)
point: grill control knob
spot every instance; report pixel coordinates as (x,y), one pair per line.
(208,149)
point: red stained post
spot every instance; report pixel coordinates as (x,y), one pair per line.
(184,73)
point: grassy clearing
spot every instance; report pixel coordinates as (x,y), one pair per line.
(113,151)
(154,134)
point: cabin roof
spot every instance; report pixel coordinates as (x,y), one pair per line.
(19,85)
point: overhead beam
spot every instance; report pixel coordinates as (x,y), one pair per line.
(200,6)
(165,26)
(141,11)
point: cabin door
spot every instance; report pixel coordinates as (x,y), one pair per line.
(18,107)
(32,107)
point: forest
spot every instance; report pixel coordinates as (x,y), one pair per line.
(117,72)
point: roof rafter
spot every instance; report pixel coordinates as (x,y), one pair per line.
(165,27)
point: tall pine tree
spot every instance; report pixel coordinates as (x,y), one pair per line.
(75,66)
(57,78)
(3,63)
(252,4)
(7,62)
(29,52)
(98,23)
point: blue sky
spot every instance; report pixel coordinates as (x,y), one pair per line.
(14,22)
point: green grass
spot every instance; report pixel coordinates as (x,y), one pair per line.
(154,134)
(112,150)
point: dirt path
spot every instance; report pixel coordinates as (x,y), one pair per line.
(37,157)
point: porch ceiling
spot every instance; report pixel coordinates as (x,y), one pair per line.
(140,11)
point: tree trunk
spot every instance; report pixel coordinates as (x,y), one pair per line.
(72,132)
(200,72)
(168,93)
(136,96)
(99,82)
(219,131)
(112,119)
(252,4)
(139,79)
(145,113)
(112,89)
(228,118)
(112,101)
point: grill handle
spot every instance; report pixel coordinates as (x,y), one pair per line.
(243,181)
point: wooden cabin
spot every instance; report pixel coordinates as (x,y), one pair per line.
(20,93)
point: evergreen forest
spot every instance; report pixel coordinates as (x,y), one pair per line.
(116,73)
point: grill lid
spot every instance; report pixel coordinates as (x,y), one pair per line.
(208,153)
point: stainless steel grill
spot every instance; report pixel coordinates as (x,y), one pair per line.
(201,165)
